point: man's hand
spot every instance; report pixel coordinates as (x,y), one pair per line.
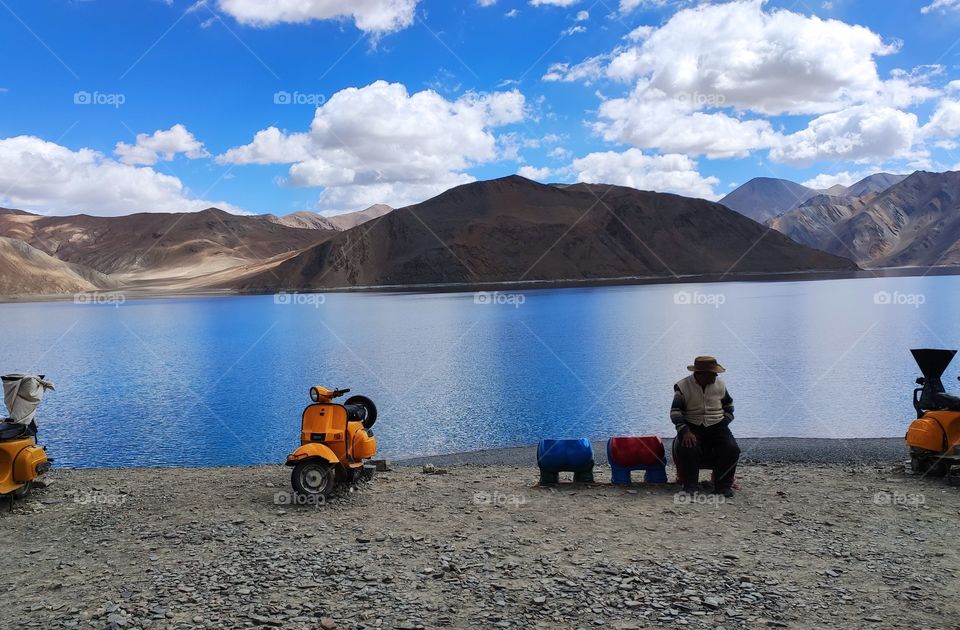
(688,439)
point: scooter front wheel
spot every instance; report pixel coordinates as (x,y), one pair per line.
(313,478)
(22,491)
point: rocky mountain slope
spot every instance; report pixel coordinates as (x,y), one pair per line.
(158,246)
(315,221)
(514,229)
(915,222)
(763,198)
(25,270)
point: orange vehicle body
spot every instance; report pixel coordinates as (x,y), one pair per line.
(326,433)
(21,461)
(937,432)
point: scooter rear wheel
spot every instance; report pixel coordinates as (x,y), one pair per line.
(313,478)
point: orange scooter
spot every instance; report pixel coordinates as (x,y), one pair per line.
(335,440)
(21,459)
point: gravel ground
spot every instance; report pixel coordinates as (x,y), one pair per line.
(762,450)
(473,546)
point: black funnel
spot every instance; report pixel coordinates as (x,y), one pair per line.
(933,363)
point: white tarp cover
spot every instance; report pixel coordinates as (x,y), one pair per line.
(22,393)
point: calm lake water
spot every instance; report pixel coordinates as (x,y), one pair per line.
(223,380)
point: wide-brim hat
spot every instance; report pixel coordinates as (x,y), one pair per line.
(706,364)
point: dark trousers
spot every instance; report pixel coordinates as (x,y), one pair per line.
(715,446)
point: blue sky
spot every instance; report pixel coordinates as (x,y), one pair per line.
(407,98)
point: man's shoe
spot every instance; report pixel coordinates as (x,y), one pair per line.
(690,488)
(726,492)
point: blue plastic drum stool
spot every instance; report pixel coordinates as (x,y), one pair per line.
(645,453)
(557,456)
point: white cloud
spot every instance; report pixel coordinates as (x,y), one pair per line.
(380,143)
(945,121)
(531,172)
(554,3)
(770,62)
(371,16)
(629,5)
(582,16)
(824,181)
(587,71)
(39,175)
(663,173)
(161,145)
(270,146)
(942,6)
(512,13)
(859,134)
(648,118)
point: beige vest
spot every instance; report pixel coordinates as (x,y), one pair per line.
(703,404)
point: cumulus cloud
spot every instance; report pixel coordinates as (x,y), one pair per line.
(379,143)
(945,122)
(663,173)
(861,133)
(39,175)
(161,145)
(270,146)
(824,181)
(532,172)
(371,16)
(709,80)
(770,62)
(651,119)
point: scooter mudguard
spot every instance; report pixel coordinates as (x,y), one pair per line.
(29,464)
(308,451)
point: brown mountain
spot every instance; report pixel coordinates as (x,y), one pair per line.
(152,247)
(25,270)
(763,198)
(513,229)
(915,222)
(314,221)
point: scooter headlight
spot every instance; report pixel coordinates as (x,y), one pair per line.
(314,394)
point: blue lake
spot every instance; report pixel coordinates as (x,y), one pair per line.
(222,381)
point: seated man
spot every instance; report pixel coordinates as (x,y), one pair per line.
(702,412)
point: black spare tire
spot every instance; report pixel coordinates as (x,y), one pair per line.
(361,409)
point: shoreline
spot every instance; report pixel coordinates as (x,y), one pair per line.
(147,293)
(754,450)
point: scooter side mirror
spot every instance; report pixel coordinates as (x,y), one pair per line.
(921,380)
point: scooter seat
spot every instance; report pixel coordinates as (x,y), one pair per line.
(13,431)
(948,402)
